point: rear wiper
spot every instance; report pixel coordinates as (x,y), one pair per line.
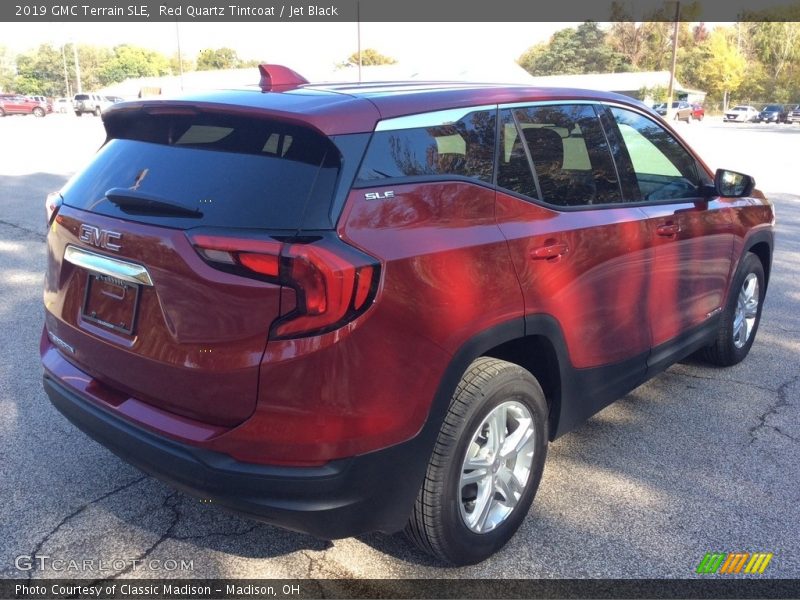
(135,202)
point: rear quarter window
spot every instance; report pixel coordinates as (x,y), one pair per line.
(464,148)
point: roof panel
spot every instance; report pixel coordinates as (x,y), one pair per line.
(354,108)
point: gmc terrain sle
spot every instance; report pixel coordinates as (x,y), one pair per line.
(359,307)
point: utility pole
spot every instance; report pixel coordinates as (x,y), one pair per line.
(358,21)
(78,86)
(67,91)
(674,58)
(180,57)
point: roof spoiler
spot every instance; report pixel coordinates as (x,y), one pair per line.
(277,78)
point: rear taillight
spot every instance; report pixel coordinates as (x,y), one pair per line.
(333,282)
(51,205)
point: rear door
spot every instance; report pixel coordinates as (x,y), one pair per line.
(581,255)
(130,287)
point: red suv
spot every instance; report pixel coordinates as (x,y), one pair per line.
(14,104)
(360,307)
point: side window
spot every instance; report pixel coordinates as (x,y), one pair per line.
(569,151)
(463,148)
(662,168)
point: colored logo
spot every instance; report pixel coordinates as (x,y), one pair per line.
(733,563)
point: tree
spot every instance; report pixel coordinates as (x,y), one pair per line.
(133,61)
(777,46)
(215,59)
(175,65)
(647,45)
(92,59)
(723,65)
(369,57)
(573,51)
(40,72)
(7,68)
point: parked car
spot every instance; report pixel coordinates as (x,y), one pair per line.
(63,105)
(344,308)
(793,114)
(772,113)
(16,104)
(44,102)
(115,99)
(698,112)
(90,103)
(741,113)
(682,110)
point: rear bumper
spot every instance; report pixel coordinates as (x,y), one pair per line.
(372,492)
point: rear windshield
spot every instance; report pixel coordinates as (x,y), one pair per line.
(234,172)
(81,97)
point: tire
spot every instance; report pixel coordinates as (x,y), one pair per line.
(733,342)
(38,112)
(78,113)
(2,113)
(446,521)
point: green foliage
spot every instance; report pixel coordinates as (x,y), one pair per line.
(369,57)
(39,72)
(92,60)
(175,66)
(7,68)
(132,61)
(574,51)
(658,93)
(220,58)
(723,66)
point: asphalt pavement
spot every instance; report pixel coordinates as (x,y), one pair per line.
(699,459)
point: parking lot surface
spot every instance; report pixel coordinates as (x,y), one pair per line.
(699,459)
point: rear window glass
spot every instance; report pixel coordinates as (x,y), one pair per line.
(464,148)
(235,172)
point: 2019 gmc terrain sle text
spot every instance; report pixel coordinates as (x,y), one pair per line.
(357,307)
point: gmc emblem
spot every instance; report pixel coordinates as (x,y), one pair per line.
(100,237)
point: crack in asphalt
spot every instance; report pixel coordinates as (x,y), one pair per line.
(763,388)
(78,511)
(37,234)
(173,502)
(782,402)
(320,565)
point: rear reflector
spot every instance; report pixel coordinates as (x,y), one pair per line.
(265,264)
(333,282)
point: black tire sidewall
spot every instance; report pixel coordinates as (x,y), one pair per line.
(750,264)
(471,547)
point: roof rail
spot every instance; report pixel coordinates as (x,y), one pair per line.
(276,78)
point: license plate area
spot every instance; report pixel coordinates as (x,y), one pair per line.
(111,303)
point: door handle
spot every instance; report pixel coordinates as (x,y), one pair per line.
(551,250)
(668,229)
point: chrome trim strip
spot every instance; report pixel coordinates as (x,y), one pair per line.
(645,111)
(105,265)
(533,103)
(430,119)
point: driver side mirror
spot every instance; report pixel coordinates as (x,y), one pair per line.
(732,184)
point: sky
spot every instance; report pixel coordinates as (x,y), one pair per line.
(300,44)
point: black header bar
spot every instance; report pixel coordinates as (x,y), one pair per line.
(203,589)
(266,11)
